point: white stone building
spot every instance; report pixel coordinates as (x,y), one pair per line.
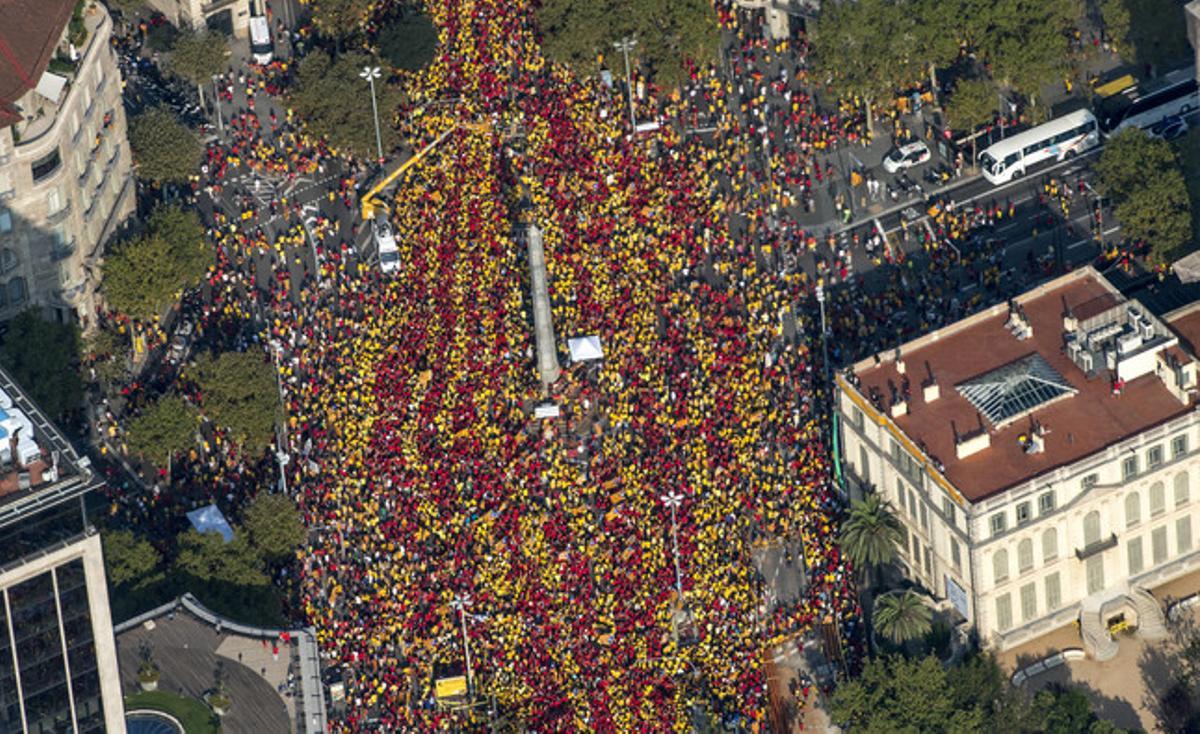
(231,16)
(65,167)
(1042,457)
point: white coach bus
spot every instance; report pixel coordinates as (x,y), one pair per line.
(1176,94)
(1060,138)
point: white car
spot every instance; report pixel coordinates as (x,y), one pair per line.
(906,156)
(385,244)
(1169,128)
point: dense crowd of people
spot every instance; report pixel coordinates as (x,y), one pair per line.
(592,559)
(432,480)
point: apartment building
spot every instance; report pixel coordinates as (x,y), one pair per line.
(227,16)
(65,166)
(1042,456)
(58,661)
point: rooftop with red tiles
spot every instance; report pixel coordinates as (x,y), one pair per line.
(1018,399)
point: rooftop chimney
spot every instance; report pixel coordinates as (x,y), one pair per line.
(972,444)
(932,392)
(1070,323)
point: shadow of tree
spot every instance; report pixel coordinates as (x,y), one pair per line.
(1169,672)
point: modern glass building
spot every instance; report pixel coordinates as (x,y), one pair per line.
(58,663)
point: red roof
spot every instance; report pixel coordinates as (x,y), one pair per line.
(1077,426)
(29,33)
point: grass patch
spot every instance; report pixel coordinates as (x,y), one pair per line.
(195,716)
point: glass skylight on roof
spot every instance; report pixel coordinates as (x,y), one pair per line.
(1013,390)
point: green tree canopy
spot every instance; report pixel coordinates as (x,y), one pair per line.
(339,19)
(871,533)
(1116,18)
(1158,36)
(164,427)
(866,49)
(1026,43)
(1141,175)
(165,150)
(578,32)
(184,235)
(106,351)
(1130,157)
(128,558)
(973,103)
(334,102)
(197,56)
(409,42)
(145,274)
(899,694)
(902,616)
(43,357)
(207,557)
(274,526)
(239,393)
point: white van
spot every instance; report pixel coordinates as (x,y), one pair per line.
(262,49)
(385,242)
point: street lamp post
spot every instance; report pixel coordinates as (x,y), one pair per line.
(625,45)
(837,463)
(371,73)
(217,96)
(462,602)
(673,500)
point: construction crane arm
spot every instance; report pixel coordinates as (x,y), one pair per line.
(370,200)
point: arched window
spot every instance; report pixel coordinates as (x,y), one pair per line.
(8,260)
(1091,528)
(16,291)
(1158,498)
(1181,488)
(1133,509)
(1000,566)
(1049,545)
(1025,555)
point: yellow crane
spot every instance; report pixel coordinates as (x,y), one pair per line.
(371,201)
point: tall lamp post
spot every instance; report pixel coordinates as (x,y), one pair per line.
(673,500)
(462,602)
(217,96)
(625,45)
(371,73)
(837,459)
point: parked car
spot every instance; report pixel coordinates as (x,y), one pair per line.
(180,343)
(1169,128)
(906,156)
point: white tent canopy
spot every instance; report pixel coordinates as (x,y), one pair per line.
(1188,268)
(51,86)
(585,348)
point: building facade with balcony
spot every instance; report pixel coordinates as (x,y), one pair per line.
(228,16)
(1043,460)
(66,181)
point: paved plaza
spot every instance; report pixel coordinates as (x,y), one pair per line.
(188,651)
(1124,689)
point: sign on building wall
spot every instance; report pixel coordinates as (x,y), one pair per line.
(957,596)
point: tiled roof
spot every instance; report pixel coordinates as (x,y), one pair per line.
(29,32)
(1081,417)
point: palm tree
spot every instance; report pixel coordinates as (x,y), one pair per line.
(871,533)
(902,616)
